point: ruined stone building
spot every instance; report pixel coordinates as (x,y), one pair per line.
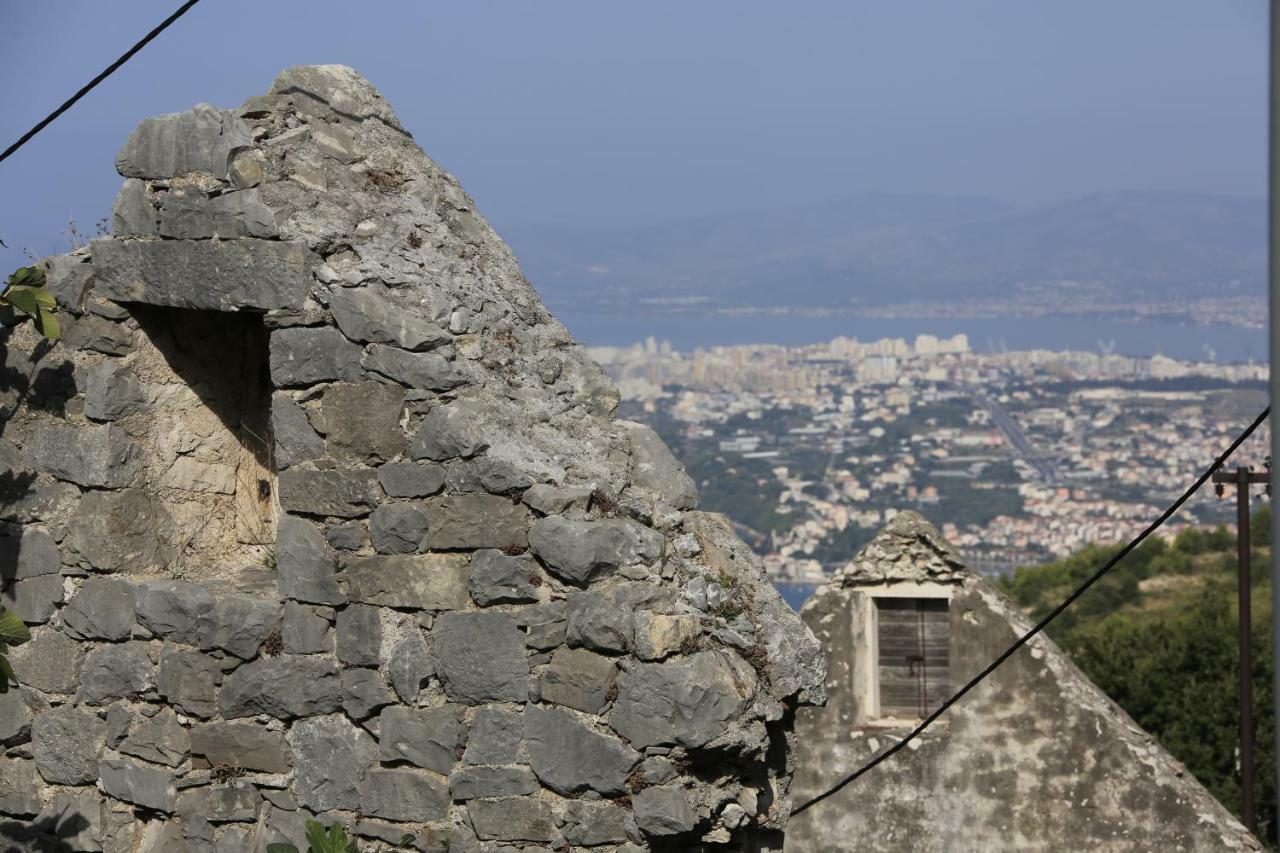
(316,511)
(1034,758)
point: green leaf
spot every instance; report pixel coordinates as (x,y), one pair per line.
(25,298)
(6,673)
(281,848)
(47,325)
(334,841)
(27,276)
(13,631)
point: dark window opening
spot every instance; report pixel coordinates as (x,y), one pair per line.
(914,638)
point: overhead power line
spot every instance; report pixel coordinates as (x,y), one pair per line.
(107,72)
(1043,623)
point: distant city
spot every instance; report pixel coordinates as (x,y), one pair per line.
(1019,456)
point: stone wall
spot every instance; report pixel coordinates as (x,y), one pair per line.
(1034,758)
(316,511)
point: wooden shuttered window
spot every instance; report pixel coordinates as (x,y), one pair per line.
(914,636)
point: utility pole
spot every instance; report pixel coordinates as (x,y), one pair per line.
(1243,478)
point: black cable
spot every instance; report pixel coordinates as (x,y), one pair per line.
(110,69)
(1043,623)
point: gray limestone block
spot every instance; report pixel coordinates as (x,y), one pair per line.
(68,277)
(160,740)
(513,819)
(27,552)
(497,578)
(448,432)
(242,214)
(420,582)
(420,370)
(476,521)
(120,530)
(112,392)
(33,600)
(15,717)
(362,420)
(486,474)
(174,610)
(295,439)
(50,662)
(663,811)
(579,679)
(19,788)
(596,621)
(544,625)
(185,214)
(404,795)
(98,334)
(340,493)
(581,551)
(236,800)
(341,88)
(143,786)
(569,756)
(363,692)
(398,528)
(689,702)
(348,536)
(337,142)
(66,743)
(469,783)
(251,274)
(494,737)
(248,746)
(198,140)
(654,467)
(133,214)
(409,666)
(359,635)
(331,757)
(102,609)
(284,687)
(306,630)
(95,456)
(188,680)
(74,818)
(238,624)
(37,501)
(305,356)
(118,671)
(424,737)
(370,314)
(247,169)
(480,657)
(658,770)
(659,635)
(305,567)
(590,823)
(411,479)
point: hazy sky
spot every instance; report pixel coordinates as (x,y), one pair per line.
(591,112)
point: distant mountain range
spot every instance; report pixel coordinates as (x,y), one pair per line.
(880,249)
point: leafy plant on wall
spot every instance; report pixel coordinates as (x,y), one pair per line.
(12,633)
(25,291)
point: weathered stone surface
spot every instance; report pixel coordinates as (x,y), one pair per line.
(305,631)
(411,479)
(570,757)
(580,551)
(658,635)
(654,467)
(341,493)
(248,273)
(35,501)
(337,142)
(494,737)
(363,693)
(96,456)
(102,609)
(558,500)
(306,356)
(68,277)
(96,333)
(19,788)
(238,624)
(304,564)
(338,87)
(331,756)
(296,440)
(198,140)
(245,745)
(425,737)
(185,214)
(66,743)
(480,657)
(242,214)
(448,432)
(161,740)
(348,536)
(421,370)
(468,783)
(132,213)
(577,678)
(423,582)
(515,819)
(597,621)
(359,635)
(189,680)
(285,687)
(476,521)
(75,819)
(369,314)
(120,531)
(236,800)
(398,528)
(409,666)
(590,824)
(119,671)
(690,702)
(404,795)
(111,392)
(142,786)
(33,600)
(173,610)
(362,420)
(51,662)
(15,717)
(498,579)
(663,811)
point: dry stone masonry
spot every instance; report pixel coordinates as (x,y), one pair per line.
(316,511)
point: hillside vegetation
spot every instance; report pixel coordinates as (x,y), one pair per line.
(1158,635)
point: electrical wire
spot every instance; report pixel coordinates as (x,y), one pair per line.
(1043,623)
